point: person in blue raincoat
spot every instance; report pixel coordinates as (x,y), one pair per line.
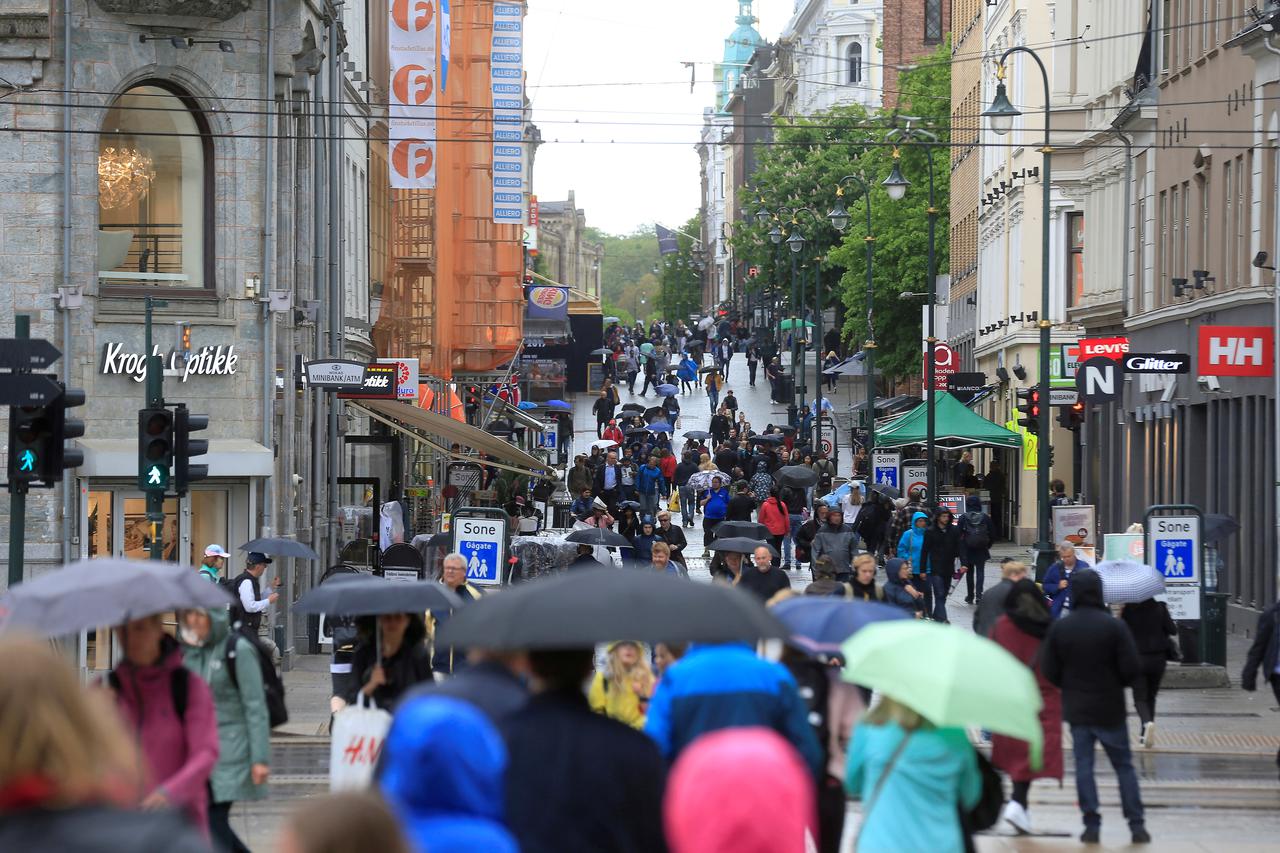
(909,547)
(687,373)
(443,770)
(1057,580)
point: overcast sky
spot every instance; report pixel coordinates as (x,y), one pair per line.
(650,174)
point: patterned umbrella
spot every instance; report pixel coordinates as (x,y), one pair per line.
(1127,582)
(702,479)
(668,390)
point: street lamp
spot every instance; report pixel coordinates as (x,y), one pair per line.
(1002,113)
(796,243)
(839,217)
(896,186)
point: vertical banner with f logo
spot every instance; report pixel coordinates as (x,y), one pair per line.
(506,83)
(411,43)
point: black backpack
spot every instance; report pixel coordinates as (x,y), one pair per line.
(987,810)
(272,684)
(975,533)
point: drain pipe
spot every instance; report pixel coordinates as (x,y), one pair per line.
(335,279)
(319,530)
(68,476)
(268,515)
(1270,45)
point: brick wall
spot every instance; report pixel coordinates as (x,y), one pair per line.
(904,38)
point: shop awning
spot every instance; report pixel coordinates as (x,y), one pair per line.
(429,423)
(227,457)
(955,426)
(520,416)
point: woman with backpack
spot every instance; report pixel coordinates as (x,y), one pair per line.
(229,663)
(976,533)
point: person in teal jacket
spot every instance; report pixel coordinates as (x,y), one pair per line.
(915,806)
(909,546)
(244,724)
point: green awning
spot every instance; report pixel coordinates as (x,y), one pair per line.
(955,426)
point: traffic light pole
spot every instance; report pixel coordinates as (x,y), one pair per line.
(155,399)
(18,489)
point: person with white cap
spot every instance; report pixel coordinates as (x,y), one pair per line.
(215,557)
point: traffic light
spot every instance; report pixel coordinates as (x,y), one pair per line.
(472,405)
(1029,409)
(60,457)
(184,447)
(31,440)
(155,448)
(1071,417)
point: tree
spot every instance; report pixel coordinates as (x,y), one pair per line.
(682,274)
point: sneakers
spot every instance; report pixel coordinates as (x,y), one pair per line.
(1148,738)
(1017,817)
(1139,835)
(1091,835)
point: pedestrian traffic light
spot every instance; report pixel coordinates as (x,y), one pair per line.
(184,447)
(1029,409)
(31,440)
(155,448)
(1071,417)
(60,457)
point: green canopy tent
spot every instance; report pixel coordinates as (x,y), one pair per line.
(955,426)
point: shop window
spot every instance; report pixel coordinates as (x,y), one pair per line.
(855,62)
(154,179)
(210,525)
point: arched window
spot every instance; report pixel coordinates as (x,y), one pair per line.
(154,179)
(854,54)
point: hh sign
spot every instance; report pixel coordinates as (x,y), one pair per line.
(1236,351)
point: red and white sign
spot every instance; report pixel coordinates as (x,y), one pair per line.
(411,48)
(752,272)
(1236,351)
(1112,348)
(945,363)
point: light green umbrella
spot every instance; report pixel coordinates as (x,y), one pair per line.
(793,323)
(949,676)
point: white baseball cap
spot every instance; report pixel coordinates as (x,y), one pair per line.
(216,551)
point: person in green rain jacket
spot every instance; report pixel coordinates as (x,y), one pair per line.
(244,724)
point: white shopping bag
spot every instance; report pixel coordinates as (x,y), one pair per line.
(358,733)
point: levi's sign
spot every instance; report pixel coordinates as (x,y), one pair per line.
(1112,348)
(1156,362)
(1236,350)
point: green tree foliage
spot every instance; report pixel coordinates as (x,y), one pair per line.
(682,275)
(815,153)
(637,283)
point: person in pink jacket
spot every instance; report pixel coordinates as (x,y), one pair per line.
(169,710)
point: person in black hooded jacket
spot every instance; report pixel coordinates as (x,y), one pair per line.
(1092,657)
(1264,653)
(942,546)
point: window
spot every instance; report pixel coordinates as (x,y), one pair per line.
(1228,228)
(1162,216)
(932,21)
(1075,258)
(1177,267)
(154,180)
(1205,186)
(855,62)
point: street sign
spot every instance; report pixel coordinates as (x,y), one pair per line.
(1068,361)
(955,503)
(830,438)
(915,475)
(1098,379)
(945,363)
(1235,350)
(335,375)
(1173,547)
(1112,348)
(483,543)
(966,386)
(884,467)
(27,353)
(550,434)
(1156,362)
(1063,396)
(28,389)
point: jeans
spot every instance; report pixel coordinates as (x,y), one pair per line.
(714,396)
(688,505)
(976,574)
(923,584)
(939,585)
(1116,743)
(788,543)
(649,505)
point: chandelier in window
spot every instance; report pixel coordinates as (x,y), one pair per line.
(124,176)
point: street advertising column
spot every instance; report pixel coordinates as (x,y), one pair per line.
(411,46)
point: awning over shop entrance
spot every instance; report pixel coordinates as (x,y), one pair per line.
(428,423)
(955,426)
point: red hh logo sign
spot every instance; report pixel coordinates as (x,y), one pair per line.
(412,84)
(412,16)
(1236,351)
(1112,348)
(411,158)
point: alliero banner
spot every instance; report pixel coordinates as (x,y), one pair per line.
(548,303)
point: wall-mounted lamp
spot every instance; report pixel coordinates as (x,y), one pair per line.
(1179,287)
(1201,276)
(1019,371)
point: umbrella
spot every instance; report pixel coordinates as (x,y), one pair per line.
(655,412)
(598,605)
(886,490)
(786,429)
(820,625)
(1218,527)
(601,351)
(1127,582)
(279,547)
(613,319)
(792,323)
(526,405)
(599,537)
(702,479)
(604,443)
(367,595)
(766,439)
(668,390)
(660,426)
(646,348)
(634,430)
(740,545)
(797,475)
(632,407)
(705,323)
(697,435)
(105,591)
(443,539)
(966,680)
(749,529)
(709,370)
(557,404)
(628,504)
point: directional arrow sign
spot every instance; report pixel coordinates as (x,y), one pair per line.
(27,353)
(27,460)
(27,389)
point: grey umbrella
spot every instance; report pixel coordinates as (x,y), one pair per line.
(107,591)
(361,595)
(276,546)
(598,536)
(886,490)
(749,529)
(598,605)
(797,475)
(740,545)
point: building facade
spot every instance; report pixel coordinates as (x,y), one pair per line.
(836,56)
(565,254)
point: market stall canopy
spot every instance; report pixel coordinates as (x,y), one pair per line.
(956,426)
(429,423)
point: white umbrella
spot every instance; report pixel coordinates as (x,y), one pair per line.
(604,443)
(702,479)
(705,323)
(1127,582)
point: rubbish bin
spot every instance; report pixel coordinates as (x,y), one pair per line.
(786,390)
(1213,622)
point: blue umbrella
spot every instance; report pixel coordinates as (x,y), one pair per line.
(526,405)
(668,390)
(660,426)
(819,625)
(557,404)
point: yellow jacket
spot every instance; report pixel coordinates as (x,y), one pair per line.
(617,703)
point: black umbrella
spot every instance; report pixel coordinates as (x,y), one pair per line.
(366,595)
(584,608)
(796,475)
(697,435)
(766,439)
(634,430)
(886,490)
(740,545)
(632,407)
(749,529)
(106,591)
(655,412)
(443,539)
(709,370)
(279,547)
(786,428)
(599,537)
(1218,527)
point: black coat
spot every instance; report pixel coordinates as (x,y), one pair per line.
(579,781)
(1265,649)
(1151,626)
(488,685)
(597,480)
(409,666)
(870,524)
(684,471)
(726,460)
(941,548)
(98,829)
(740,508)
(674,537)
(1090,655)
(764,585)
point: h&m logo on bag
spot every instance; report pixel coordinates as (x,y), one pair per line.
(362,750)
(1236,351)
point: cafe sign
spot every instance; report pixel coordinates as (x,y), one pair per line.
(207,361)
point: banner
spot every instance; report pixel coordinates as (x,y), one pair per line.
(411,46)
(548,303)
(667,243)
(506,84)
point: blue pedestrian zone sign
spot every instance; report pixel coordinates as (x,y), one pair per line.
(1175,547)
(482,542)
(1176,559)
